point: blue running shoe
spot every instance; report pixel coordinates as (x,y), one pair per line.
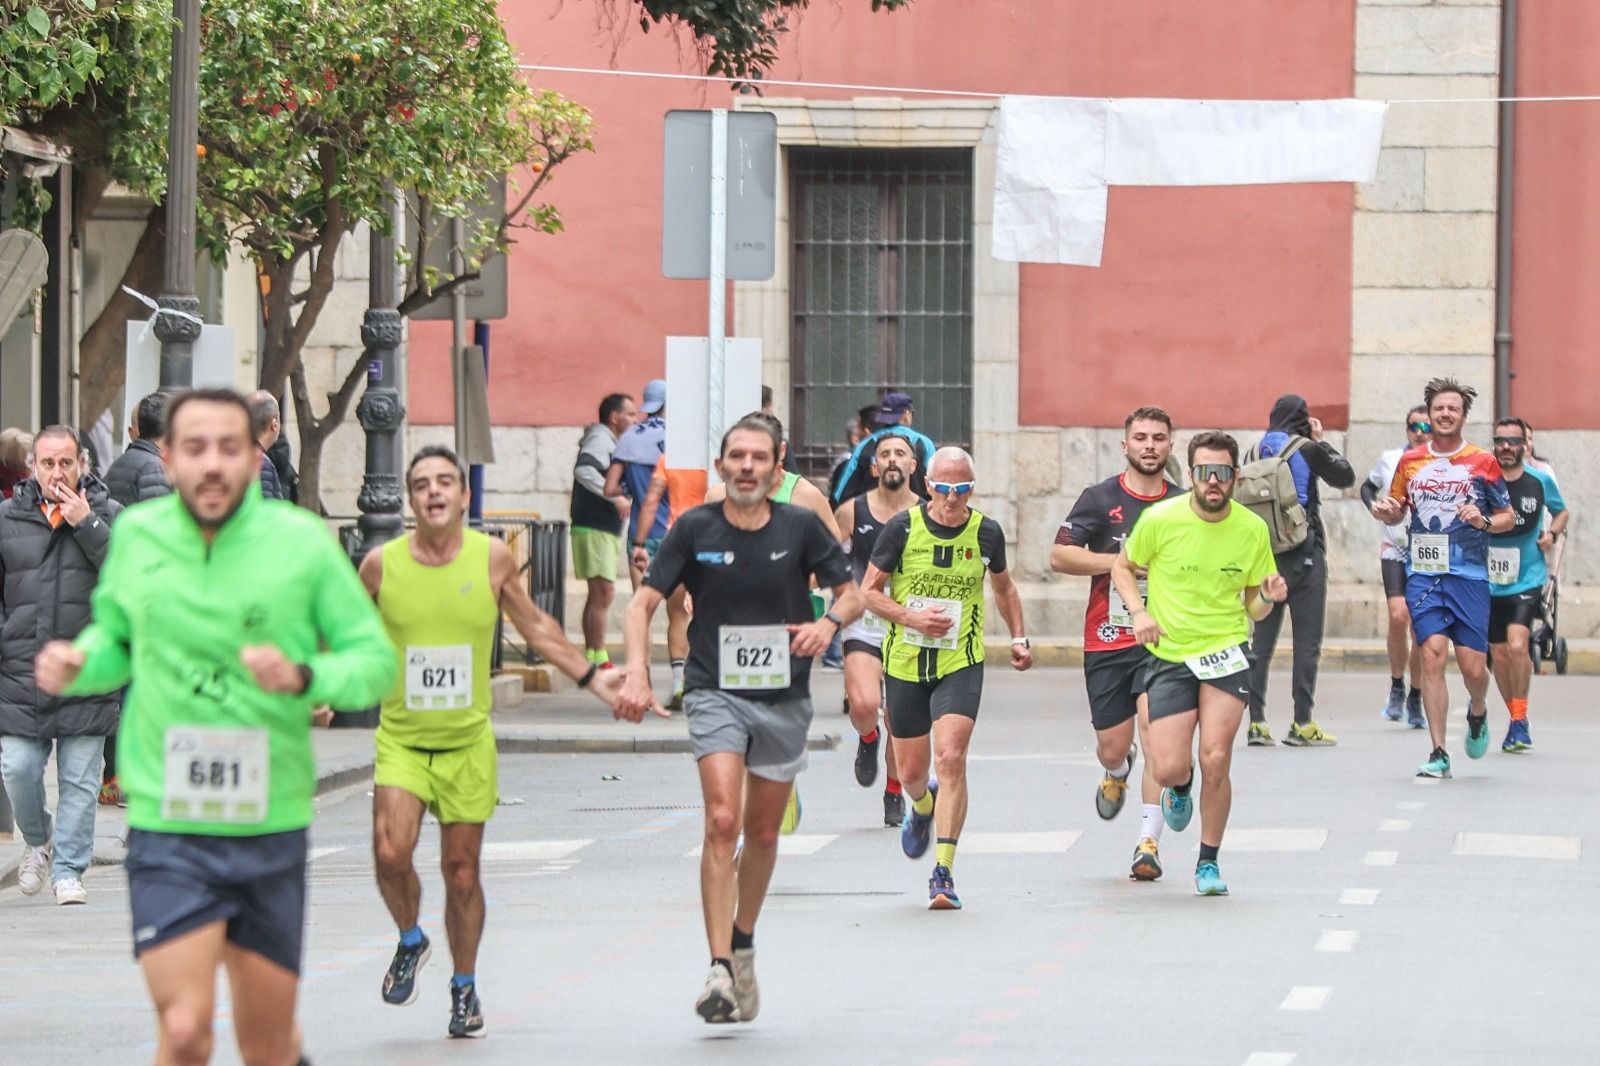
(917,830)
(1477,736)
(1517,738)
(1208,881)
(1524,738)
(1176,809)
(1395,709)
(942,891)
(1510,742)
(1415,719)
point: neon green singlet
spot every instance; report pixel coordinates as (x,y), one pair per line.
(441,620)
(949,572)
(785,493)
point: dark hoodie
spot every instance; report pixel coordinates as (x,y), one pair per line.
(1291,417)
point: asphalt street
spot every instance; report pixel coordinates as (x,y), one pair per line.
(1375,918)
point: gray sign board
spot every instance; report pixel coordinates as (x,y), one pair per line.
(752,195)
(486,296)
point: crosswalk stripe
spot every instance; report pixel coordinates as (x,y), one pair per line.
(1518,846)
(530,850)
(1303,997)
(793,844)
(1018,843)
(1275,839)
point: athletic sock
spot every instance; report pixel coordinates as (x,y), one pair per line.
(1397,683)
(677,675)
(1150,822)
(726,964)
(1519,709)
(870,738)
(944,853)
(1183,789)
(1127,768)
(1413,693)
(892,786)
(410,938)
(743,940)
(1208,852)
(924,806)
(463,980)
(601,657)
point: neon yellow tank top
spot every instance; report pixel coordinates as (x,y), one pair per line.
(946,575)
(441,620)
(785,493)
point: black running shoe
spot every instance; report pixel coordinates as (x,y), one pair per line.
(894,808)
(466,1013)
(867,760)
(400,983)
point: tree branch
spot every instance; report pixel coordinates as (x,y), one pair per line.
(420,297)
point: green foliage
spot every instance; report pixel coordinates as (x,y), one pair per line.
(741,35)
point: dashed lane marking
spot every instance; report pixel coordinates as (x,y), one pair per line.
(1380,858)
(1276,839)
(1337,940)
(1393,825)
(794,844)
(1304,997)
(1519,846)
(1358,897)
(1018,843)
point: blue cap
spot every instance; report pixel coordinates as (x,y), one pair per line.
(655,397)
(895,404)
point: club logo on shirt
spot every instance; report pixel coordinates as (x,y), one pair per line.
(1107,632)
(1528,504)
(715,558)
(944,556)
(1115,514)
(779,555)
(863,529)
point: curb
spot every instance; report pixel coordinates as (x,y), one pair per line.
(535,745)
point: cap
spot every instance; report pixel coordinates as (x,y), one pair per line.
(895,404)
(655,397)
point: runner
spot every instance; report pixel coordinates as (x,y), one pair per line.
(440,591)
(682,489)
(233,616)
(1086,545)
(1403,652)
(1517,573)
(1457,498)
(860,521)
(938,554)
(748,565)
(1200,552)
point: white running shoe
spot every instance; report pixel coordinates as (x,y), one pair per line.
(35,868)
(70,890)
(717,1003)
(745,990)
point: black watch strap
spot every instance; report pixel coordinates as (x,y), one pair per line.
(305,677)
(588,676)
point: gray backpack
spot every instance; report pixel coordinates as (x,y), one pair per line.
(1266,486)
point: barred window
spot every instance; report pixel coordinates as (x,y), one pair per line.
(881,291)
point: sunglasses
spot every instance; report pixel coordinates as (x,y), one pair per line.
(951,488)
(1419,427)
(1511,442)
(1204,472)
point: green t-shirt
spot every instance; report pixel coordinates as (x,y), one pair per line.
(1197,571)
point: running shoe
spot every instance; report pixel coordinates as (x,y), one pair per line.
(867,759)
(1477,736)
(1208,880)
(1176,810)
(70,890)
(1395,709)
(1259,736)
(1438,765)
(1517,738)
(1146,861)
(35,868)
(917,829)
(746,993)
(1113,791)
(717,1004)
(1309,735)
(894,809)
(942,891)
(111,793)
(792,812)
(1414,716)
(466,1013)
(676,702)
(400,983)
(1524,736)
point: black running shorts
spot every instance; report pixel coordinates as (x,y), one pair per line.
(1172,688)
(915,705)
(1112,680)
(1518,609)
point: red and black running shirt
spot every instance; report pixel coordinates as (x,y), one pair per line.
(1100,521)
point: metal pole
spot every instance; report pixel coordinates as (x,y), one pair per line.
(480,339)
(382,410)
(717,326)
(458,333)
(178,332)
(1503,221)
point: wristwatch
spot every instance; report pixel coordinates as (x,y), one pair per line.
(835,619)
(1021,640)
(305,678)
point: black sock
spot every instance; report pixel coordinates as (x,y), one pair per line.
(1183,789)
(1413,693)
(742,939)
(1208,852)
(726,964)
(1396,684)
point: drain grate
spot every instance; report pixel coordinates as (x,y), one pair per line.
(619,810)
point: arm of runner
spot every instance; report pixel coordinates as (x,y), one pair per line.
(1559,515)
(1009,602)
(1259,600)
(1369,490)
(880,603)
(1079,561)
(542,632)
(844,522)
(1145,629)
(1070,553)
(636,696)
(372,573)
(813,638)
(811,498)
(1391,508)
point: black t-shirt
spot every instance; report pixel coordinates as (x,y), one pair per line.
(1100,521)
(892,541)
(746,578)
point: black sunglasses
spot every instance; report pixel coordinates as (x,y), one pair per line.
(1204,472)
(1514,442)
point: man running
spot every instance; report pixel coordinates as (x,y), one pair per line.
(233,616)
(440,591)
(938,554)
(1403,653)
(1200,553)
(1087,543)
(1457,499)
(860,521)
(748,564)
(1517,573)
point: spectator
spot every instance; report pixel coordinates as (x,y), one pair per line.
(897,412)
(283,463)
(15,444)
(597,520)
(265,424)
(856,429)
(54,533)
(138,474)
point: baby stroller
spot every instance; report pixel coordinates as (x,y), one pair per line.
(1545,643)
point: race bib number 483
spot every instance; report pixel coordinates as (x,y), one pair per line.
(216,775)
(1218,664)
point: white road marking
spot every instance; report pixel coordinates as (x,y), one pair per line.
(793,844)
(1518,846)
(1337,940)
(1380,858)
(530,850)
(1018,843)
(1411,806)
(1270,1058)
(1303,997)
(322,853)
(1032,756)
(1275,839)
(1358,897)
(1393,825)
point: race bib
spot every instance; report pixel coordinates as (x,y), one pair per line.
(753,657)
(1217,664)
(438,678)
(216,775)
(1118,613)
(1430,553)
(1505,565)
(951,609)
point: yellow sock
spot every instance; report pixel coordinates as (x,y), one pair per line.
(925,804)
(944,854)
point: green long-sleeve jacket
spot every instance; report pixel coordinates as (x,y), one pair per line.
(202,748)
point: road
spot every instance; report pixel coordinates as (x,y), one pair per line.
(1374,918)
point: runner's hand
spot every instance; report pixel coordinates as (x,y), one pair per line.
(1546,541)
(634,696)
(273,670)
(74,508)
(607,687)
(56,666)
(1470,514)
(1388,510)
(639,559)
(1275,588)
(812,638)
(931,623)
(1021,657)
(1145,629)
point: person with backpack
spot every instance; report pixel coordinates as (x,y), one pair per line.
(1278,481)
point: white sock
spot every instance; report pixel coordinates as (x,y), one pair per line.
(677,675)
(1150,822)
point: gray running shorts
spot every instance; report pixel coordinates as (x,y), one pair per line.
(770,736)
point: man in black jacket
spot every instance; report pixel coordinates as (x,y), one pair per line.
(1304,568)
(265,424)
(54,533)
(138,473)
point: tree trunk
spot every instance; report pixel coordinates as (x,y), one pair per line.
(314,431)
(102,354)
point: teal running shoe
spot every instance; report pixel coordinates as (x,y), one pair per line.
(1176,810)
(1477,736)
(1208,881)
(1438,765)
